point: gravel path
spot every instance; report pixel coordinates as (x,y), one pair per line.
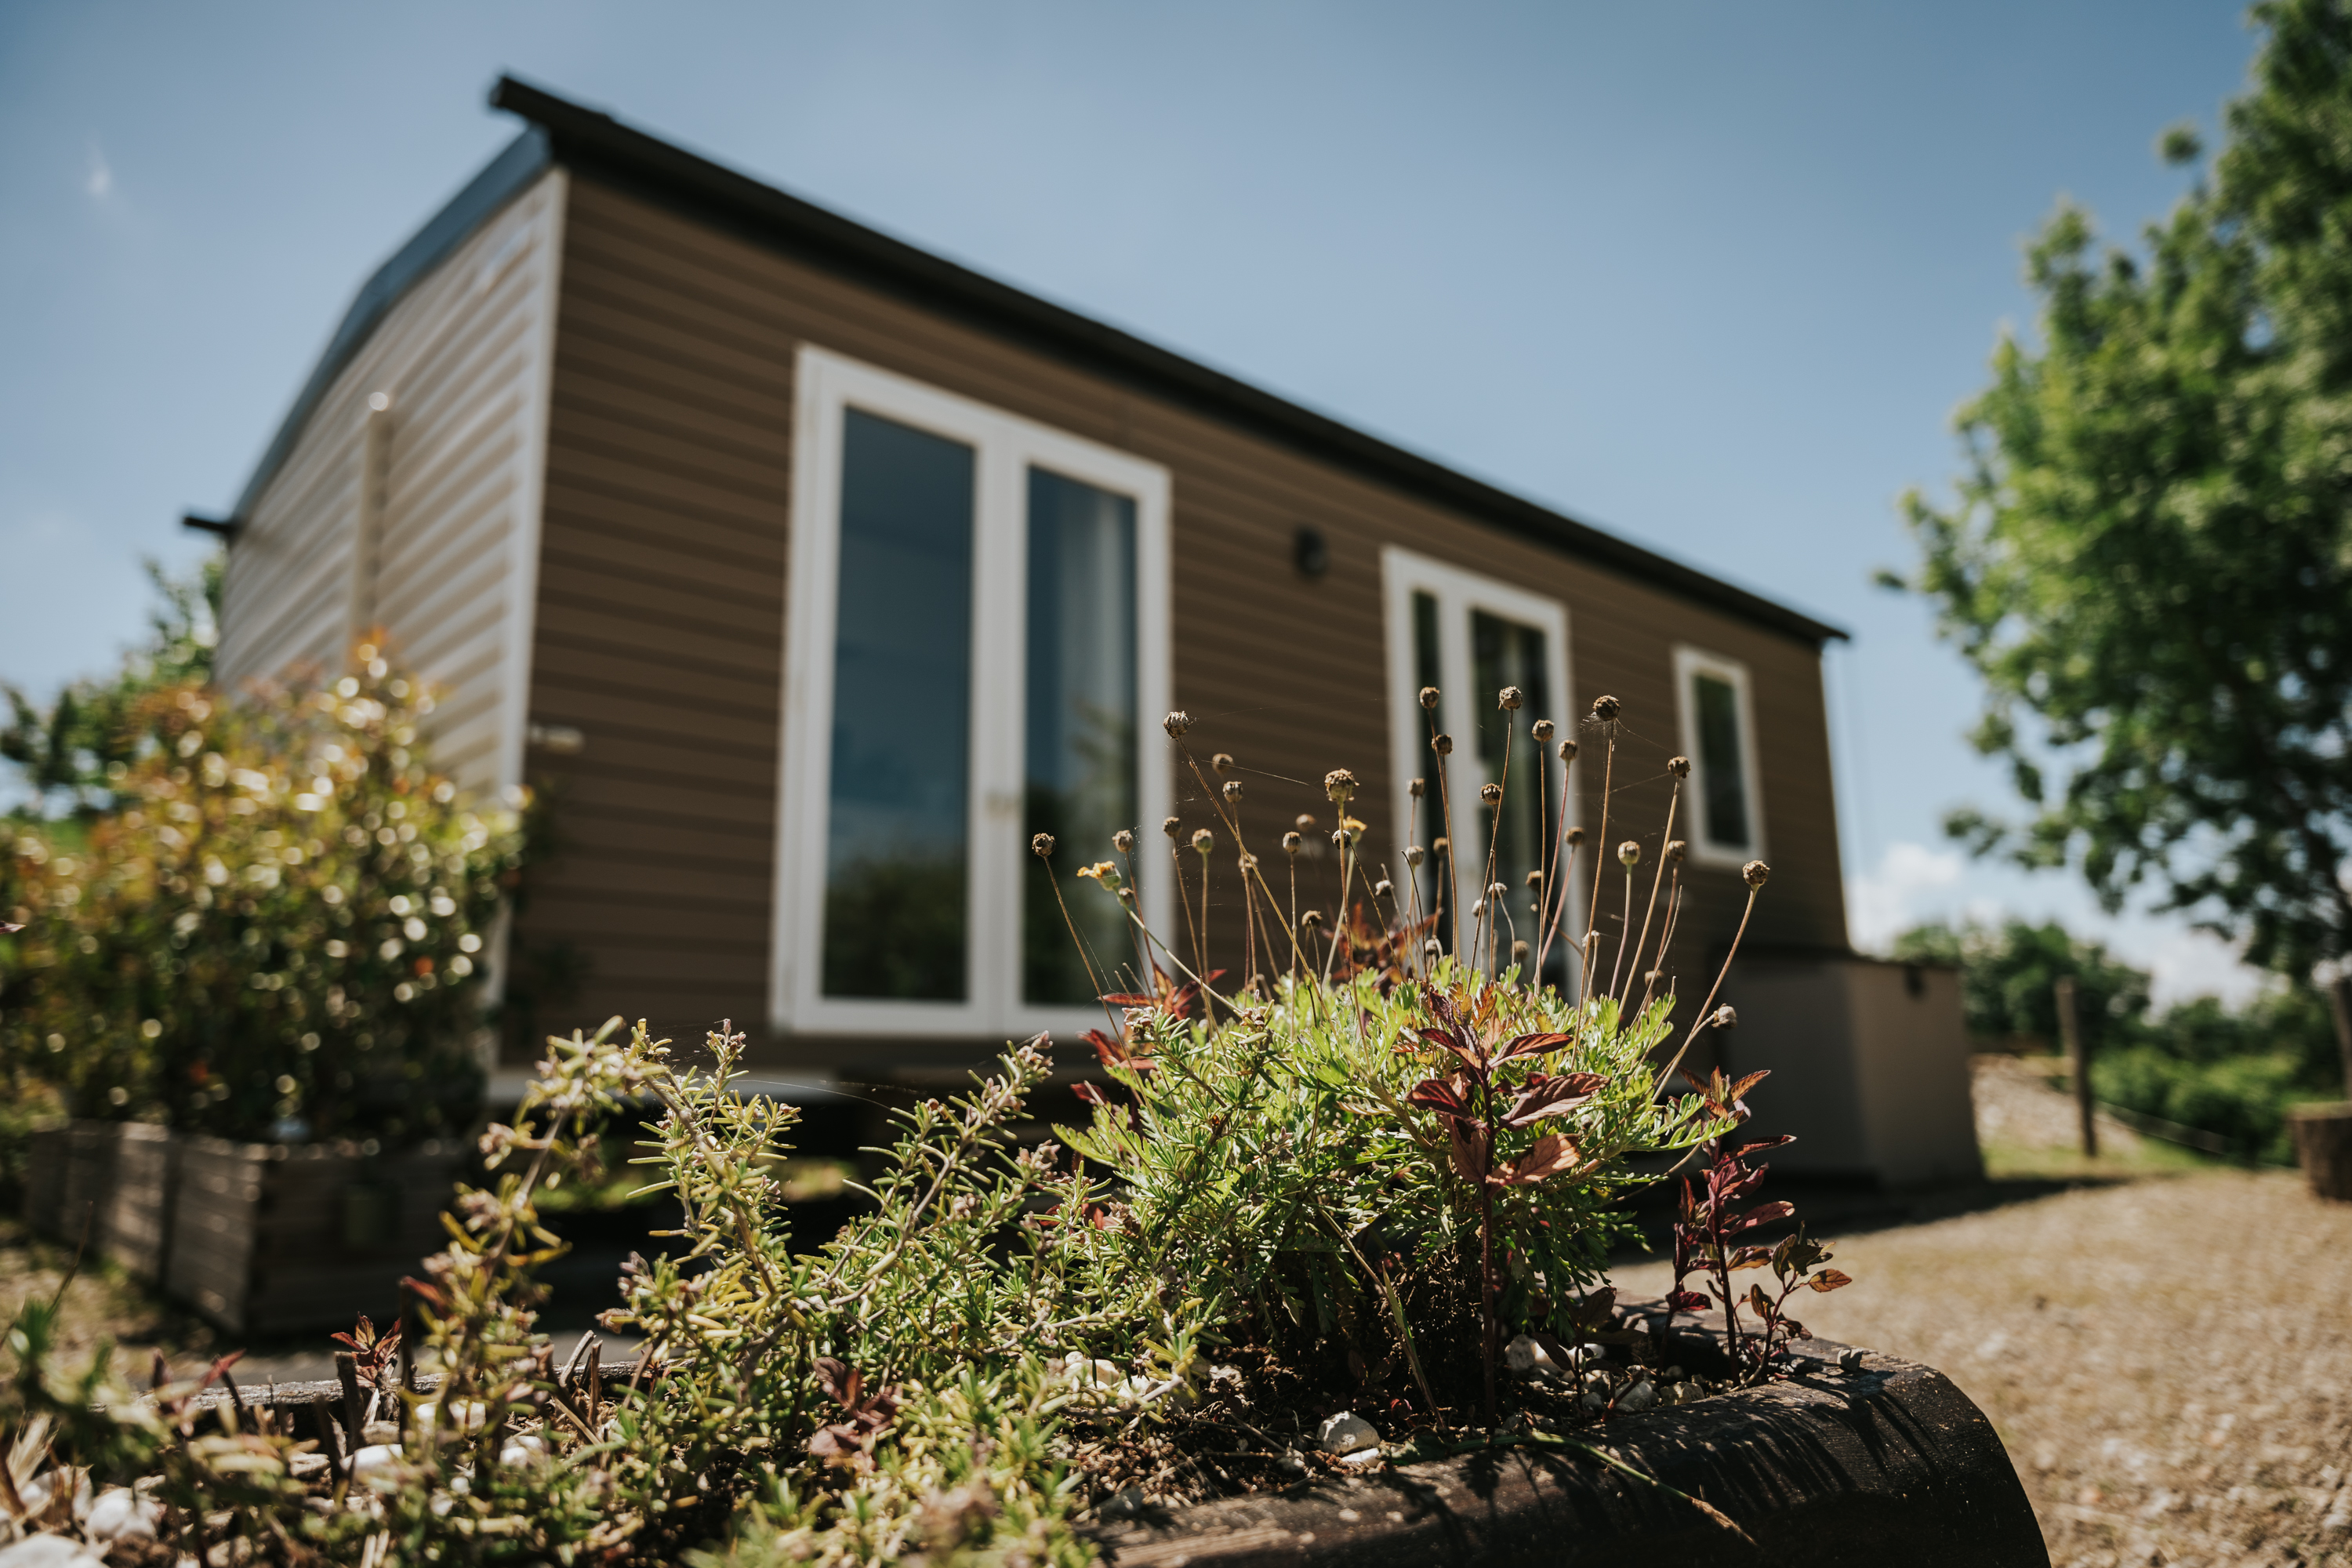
(2169,1360)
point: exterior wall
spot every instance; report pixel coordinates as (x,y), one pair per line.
(1869,1063)
(660,608)
(420,519)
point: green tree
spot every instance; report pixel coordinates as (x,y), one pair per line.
(2009,976)
(2149,558)
(70,753)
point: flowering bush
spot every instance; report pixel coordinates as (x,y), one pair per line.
(277,931)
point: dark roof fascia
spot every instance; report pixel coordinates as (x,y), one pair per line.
(507,176)
(596,143)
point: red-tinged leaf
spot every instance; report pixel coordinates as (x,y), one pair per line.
(1760,1144)
(1763,1214)
(1552,1097)
(1687,1301)
(1446,1039)
(9,928)
(1828,1279)
(1531,1045)
(1131,999)
(1751,1257)
(1738,1091)
(1088,1092)
(841,1384)
(1551,1156)
(1469,1146)
(1437,1094)
(1760,1302)
(432,1296)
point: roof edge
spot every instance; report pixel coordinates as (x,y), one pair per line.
(595,139)
(506,176)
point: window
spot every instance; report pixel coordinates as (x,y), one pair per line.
(1470,637)
(978,625)
(1725,808)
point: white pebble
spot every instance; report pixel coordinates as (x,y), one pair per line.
(1593,1401)
(119,1514)
(1640,1397)
(1347,1432)
(378,1465)
(1524,1356)
(522,1448)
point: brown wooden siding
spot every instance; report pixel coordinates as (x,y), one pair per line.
(662,599)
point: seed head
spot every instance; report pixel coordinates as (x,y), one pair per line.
(1291,842)
(1541,730)
(1249,862)
(1568,751)
(1520,952)
(1755,873)
(1535,879)
(1605,708)
(1433,948)
(1382,889)
(1429,697)
(1203,840)
(1509,698)
(1724,1018)
(1339,784)
(1492,793)
(1176,723)
(1418,788)
(1678,766)
(1042,845)
(1412,853)
(1497,891)
(1124,841)
(1442,744)
(1222,761)
(1444,847)
(1575,837)
(1234,791)
(1173,828)
(1306,822)
(1629,854)
(1310,920)
(1676,850)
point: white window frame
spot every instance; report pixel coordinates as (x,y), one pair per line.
(1458,591)
(1690,663)
(1005,448)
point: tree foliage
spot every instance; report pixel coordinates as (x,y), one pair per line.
(68,752)
(2149,551)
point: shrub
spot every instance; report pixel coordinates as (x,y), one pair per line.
(1352,1181)
(277,930)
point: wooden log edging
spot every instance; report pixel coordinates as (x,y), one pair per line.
(1886,1464)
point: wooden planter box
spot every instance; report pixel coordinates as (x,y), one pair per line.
(270,1237)
(108,1182)
(261,1239)
(2323,1147)
(1885,1465)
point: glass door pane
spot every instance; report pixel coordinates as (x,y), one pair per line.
(895,861)
(1436,872)
(1080,746)
(1508,654)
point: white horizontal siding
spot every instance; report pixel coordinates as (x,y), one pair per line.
(465,359)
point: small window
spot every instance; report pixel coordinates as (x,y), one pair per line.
(1724,806)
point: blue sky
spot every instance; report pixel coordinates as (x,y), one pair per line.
(1711,276)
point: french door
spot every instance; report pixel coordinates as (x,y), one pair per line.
(976,652)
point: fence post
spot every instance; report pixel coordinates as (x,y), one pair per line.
(2341,994)
(2078,1052)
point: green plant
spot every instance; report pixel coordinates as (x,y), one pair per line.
(278,930)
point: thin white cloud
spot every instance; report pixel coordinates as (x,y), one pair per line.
(99,180)
(1883,902)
